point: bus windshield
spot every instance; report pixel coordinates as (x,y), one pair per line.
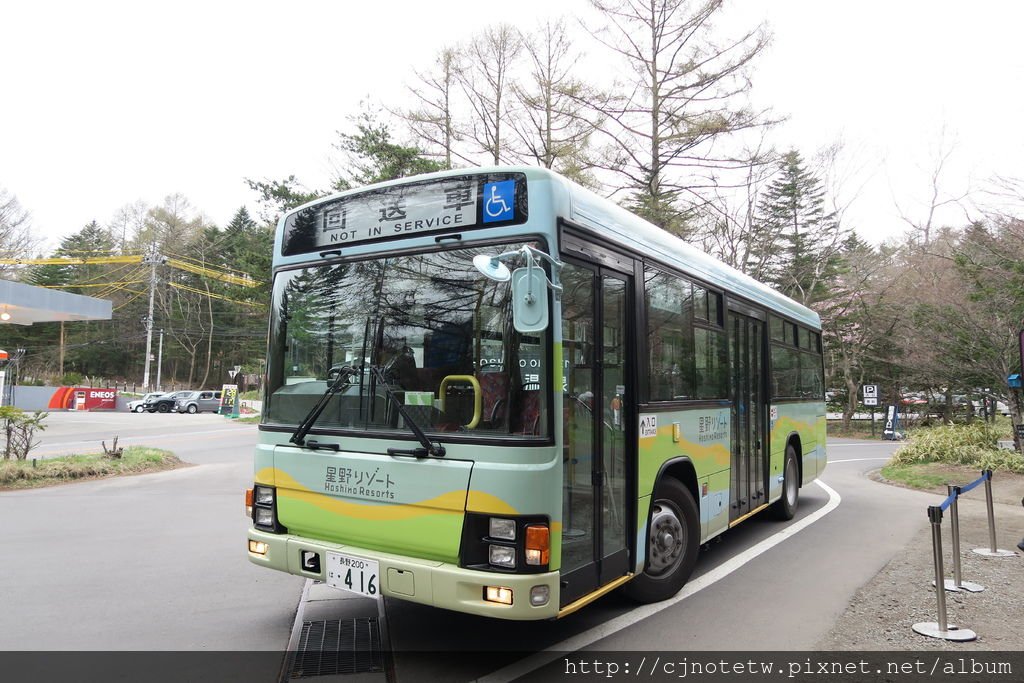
(439,331)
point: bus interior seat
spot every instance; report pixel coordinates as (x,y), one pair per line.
(527,419)
(494,398)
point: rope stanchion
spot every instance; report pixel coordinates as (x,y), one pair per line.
(941,629)
(957,583)
(991,551)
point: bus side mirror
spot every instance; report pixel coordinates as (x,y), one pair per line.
(529,300)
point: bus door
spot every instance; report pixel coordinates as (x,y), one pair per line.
(748,474)
(598,420)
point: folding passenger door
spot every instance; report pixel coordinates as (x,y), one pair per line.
(599,420)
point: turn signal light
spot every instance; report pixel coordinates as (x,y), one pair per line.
(248,503)
(538,544)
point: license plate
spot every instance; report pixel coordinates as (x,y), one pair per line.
(353,574)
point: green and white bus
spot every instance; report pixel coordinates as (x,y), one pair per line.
(493,391)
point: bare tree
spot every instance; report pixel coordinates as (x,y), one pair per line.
(184,320)
(127,222)
(16,238)
(938,197)
(555,117)
(432,119)
(486,82)
(727,225)
(169,226)
(682,96)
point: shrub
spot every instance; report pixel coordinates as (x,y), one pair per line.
(971,444)
(71,379)
(19,428)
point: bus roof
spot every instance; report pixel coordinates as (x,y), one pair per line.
(627,229)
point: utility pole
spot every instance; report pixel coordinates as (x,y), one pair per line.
(153,258)
(159,359)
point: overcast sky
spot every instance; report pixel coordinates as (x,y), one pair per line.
(106,103)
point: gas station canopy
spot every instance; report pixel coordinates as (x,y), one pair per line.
(22,304)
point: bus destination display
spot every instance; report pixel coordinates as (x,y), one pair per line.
(406,210)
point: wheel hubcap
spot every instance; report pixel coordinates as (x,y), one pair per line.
(790,483)
(667,538)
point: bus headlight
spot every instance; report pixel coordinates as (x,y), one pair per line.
(264,509)
(264,517)
(505,529)
(502,556)
(520,543)
(264,495)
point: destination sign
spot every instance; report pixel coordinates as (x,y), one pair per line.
(407,210)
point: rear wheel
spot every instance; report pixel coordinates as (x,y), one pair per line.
(192,409)
(163,408)
(673,540)
(785,507)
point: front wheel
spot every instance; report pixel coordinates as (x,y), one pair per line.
(673,540)
(137,409)
(164,408)
(192,409)
(785,507)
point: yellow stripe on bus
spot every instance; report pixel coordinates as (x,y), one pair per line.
(450,502)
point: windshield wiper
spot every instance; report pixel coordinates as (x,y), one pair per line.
(428,447)
(340,382)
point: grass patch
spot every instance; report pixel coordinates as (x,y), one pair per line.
(18,474)
(858,429)
(935,456)
(250,420)
(914,476)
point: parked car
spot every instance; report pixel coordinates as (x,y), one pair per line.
(198,402)
(139,405)
(165,403)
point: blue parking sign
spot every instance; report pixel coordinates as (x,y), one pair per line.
(499,201)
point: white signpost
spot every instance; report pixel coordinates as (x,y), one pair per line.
(871,400)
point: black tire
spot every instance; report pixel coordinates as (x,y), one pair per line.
(150,410)
(192,409)
(163,408)
(785,507)
(669,561)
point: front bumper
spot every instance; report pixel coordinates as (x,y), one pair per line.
(438,584)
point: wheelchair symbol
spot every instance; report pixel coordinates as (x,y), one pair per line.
(495,205)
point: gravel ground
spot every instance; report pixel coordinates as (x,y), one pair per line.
(883,612)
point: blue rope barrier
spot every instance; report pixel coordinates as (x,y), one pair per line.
(968,487)
(949,501)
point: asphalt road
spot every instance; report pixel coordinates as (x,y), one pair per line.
(761,587)
(157,562)
(148,562)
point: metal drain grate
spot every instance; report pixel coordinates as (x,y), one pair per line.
(347,646)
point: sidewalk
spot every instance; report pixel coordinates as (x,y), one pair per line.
(883,612)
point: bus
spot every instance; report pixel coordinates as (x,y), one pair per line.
(494,391)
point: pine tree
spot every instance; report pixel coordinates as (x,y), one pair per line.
(373,156)
(803,239)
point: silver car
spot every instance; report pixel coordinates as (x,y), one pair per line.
(199,402)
